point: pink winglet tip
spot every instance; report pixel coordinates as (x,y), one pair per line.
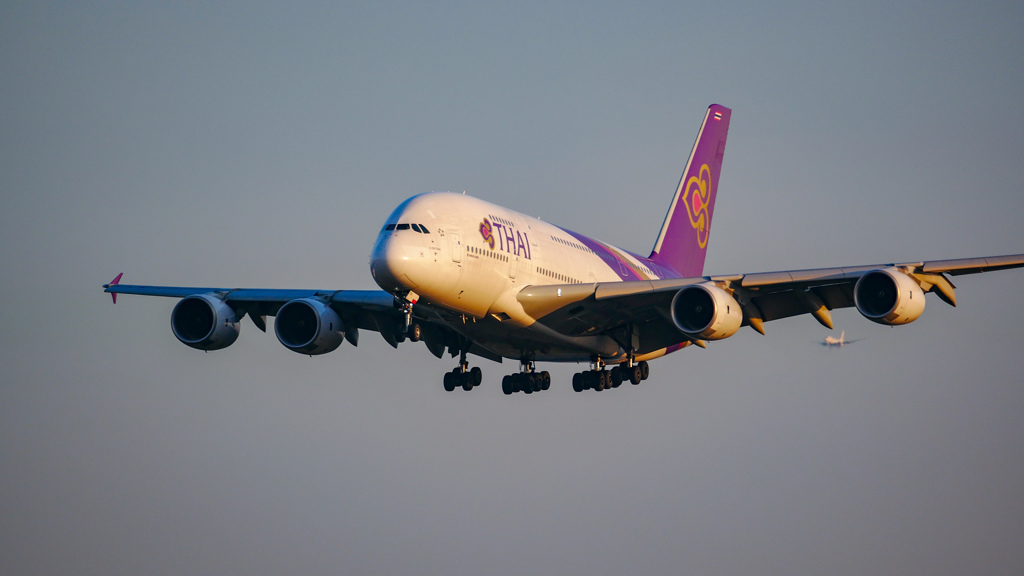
(113,295)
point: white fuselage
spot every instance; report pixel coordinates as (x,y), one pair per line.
(468,259)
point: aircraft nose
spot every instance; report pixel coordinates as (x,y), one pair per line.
(394,263)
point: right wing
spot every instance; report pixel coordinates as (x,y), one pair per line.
(647,315)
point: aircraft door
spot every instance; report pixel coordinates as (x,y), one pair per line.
(513,266)
(456,240)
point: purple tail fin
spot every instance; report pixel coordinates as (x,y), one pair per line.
(683,240)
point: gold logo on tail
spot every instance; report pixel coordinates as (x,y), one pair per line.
(695,197)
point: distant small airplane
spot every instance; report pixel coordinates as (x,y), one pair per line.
(833,342)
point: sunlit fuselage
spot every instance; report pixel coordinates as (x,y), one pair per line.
(468,260)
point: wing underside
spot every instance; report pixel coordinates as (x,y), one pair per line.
(373,310)
(639,312)
(637,315)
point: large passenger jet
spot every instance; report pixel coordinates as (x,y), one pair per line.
(465,276)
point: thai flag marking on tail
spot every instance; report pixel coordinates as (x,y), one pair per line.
(718,115)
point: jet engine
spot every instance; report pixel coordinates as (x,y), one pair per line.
(309,326)
(706,311)
(889,297)
(204,322)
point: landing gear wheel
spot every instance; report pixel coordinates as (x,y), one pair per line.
(414,333)
(449,381)
(506,385)
(577,382)
(645,370)
(466,381)
(476,376)
(635,374)
(545,378)
(616,376)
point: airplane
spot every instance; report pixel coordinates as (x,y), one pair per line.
(469,277)
(833,342)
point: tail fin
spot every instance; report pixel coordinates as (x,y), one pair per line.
(683,240)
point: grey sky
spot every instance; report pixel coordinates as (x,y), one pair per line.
(248,144)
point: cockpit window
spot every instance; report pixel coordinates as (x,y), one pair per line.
(424,229)
(389,227)
(416,227)
(403,227)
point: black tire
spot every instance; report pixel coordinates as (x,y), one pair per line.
(635,374)
(415,332)
(466,379)
(476,375)
(577,382)
(449,381)
(616,376)
(545,380)
(645,370)
(506,385)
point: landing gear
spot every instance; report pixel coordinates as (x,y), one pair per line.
(468,379)
(600,379)
(463,375)
(527,381)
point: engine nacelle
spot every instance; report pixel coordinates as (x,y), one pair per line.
(204,322)
(707,312)
(309,326)
(889,297)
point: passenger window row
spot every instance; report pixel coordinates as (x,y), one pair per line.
(489,254)
(572,244)
(558,276)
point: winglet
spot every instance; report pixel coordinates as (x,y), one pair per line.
(113,295)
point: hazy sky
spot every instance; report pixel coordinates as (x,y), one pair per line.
(263,144)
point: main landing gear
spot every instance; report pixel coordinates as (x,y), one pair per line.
(601,379)
(527,381)
(463,376)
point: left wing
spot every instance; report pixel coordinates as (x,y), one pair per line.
(211,309)
(655,314)
(308,321)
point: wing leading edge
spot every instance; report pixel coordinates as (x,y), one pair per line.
(373,310)
(650,309)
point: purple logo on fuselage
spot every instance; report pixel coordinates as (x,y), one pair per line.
(487,232)
(505,238)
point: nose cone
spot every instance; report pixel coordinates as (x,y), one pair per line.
(395,262)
